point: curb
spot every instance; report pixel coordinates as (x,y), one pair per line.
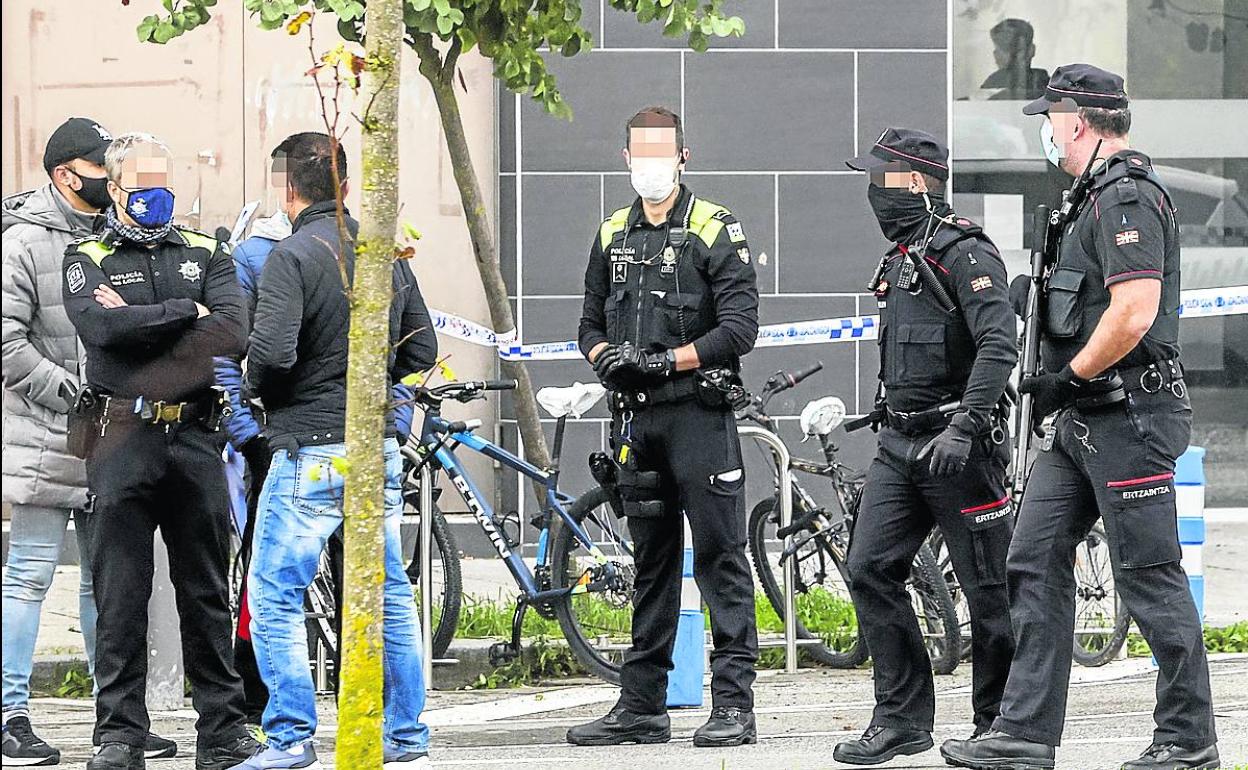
(465,661)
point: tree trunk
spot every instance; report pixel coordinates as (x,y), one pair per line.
(441,76)
(360,697)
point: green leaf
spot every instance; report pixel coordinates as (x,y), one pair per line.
(164,33)
(698,41)
(410,231)
(442,6)
(147,27)
(445,25)
(207,3)
(168,4)
(420,5)
(572,47)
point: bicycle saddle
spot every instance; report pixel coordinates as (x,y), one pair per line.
(576,399)
(822,416)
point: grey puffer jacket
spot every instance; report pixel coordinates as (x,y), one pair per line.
(41,354)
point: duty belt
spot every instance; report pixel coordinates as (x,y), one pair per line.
(681,388)
(924,421)
(1152,378)
(155,412)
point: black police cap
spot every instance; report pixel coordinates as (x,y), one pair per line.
(1085,85)
(920,149)
(76,138)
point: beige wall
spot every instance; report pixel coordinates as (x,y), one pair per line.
(222,97)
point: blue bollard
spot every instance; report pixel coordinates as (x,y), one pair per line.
(684,683)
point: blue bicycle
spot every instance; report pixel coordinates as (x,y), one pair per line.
(584,572)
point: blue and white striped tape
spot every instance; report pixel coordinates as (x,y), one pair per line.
(1196,303)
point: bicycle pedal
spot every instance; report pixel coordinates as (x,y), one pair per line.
(502,653)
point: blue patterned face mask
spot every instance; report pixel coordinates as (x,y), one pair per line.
(150,207)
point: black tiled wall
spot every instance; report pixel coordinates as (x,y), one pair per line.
(769,119)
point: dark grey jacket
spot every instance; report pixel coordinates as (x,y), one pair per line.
(42,356)
(297,353)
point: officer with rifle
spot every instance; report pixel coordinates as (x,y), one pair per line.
(946,352)
(1108,317)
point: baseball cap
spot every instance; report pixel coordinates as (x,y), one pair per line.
(1085,85)
(920,149)
(76,138)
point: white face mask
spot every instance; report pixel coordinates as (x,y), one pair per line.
(654,178)
(1051,150)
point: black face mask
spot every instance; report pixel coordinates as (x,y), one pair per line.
(901,214)
(93,191)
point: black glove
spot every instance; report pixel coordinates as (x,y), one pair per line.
(949,451)
(608,358)
(647,363)
(1050,392)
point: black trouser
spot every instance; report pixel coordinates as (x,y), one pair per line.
(1116,463)
(900,503)
(690,445)
(144,478)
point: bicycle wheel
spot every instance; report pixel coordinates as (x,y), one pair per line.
(447,581)
(825,610)
(934,607)
(597,617)
(1101,617)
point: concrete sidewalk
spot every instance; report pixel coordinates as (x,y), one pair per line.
(800,718)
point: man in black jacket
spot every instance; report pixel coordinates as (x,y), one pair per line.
(297,365)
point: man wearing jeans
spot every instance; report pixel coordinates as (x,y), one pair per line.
(297,366)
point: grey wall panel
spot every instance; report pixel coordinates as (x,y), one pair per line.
(556,252)
(782,111)
(623,31)
(829,239)
(862,23)
(507,230)
(605,89)
(901,89)
(751,198)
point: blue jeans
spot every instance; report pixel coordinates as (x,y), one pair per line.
(34,550)
(300,507)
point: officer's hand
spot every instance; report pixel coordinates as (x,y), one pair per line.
(606,360)
(949,452)
(647,363)
(201,310)
(257,453)
(1050,392)
(106,296)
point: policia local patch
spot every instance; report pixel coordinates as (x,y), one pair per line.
(75,279)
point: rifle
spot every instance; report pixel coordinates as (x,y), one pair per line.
(1047,226)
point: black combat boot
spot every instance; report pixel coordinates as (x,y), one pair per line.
(996,749)
(622,726)
(1168,756)
(880,744)
(118,756)
(727,727)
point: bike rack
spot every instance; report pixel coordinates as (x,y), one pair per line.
(785,477)
(426,571)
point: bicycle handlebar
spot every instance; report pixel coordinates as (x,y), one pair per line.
(802,374)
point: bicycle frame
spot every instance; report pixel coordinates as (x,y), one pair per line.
(442,443)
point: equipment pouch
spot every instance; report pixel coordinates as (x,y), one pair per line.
(640,491)
(1063,304)
(82,424)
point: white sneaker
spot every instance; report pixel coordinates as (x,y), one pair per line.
(397,759)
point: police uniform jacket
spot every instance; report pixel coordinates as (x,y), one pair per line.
(689,280)
(156,346)
(1125,231)
(931,356)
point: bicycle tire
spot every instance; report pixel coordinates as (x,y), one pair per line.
(928,584)
(1107,645)
(446,551)
(563,570)
(855,654)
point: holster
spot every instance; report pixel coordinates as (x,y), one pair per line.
(83,422)
(1100,393)
(639,492)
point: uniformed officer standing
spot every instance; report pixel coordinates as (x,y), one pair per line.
(153,303)
(670,306)
(1109,347)
(947,348)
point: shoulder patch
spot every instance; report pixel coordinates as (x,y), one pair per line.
(75,278)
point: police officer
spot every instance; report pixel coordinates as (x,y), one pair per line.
(670,307)
(946,352)
(1110,352)
(153,303)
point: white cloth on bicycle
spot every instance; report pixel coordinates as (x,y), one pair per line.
(576,399)
(822,416)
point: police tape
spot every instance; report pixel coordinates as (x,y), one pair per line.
(1196,303)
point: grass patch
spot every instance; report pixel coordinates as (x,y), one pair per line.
(1232,638)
